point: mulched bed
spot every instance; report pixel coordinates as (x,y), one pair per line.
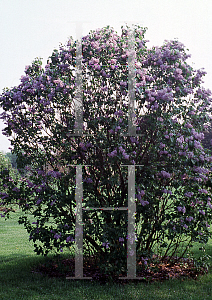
(156,271)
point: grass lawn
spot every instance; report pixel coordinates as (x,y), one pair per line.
(18,282)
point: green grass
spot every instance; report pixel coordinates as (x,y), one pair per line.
(18,282)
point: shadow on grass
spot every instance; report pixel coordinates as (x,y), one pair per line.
(19,280)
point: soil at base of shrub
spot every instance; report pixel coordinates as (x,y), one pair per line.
(157,270)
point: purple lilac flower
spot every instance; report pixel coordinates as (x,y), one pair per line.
(39,201)
(4,195)
(190,154)
(82,146)
(209,204)
(103,73)
(113,153)
(181,209)
(123,83)
(126,156)
(167,191)
(142,193)
(144,260)
(69,238)
(30,184)
(180,139)
(199,202)
(197,136)
(189,194)
(89,180)
(203,191)
(119,113)
(188,125)
(201,157)
(164,152)
(160,119)
(54,174)
(143,203)
(57,236)
(165,174)
(197,145)
(202,212)
(88,145)
(93,61)
(53,202)
(189,219)
(162,145)
(105,244)
(156,105)
(184,176)
(201,170)
(133,140)
(203,176)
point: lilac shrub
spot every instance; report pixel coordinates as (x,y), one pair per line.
(173,186)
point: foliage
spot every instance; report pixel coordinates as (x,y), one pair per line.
(12,157)
(3,164)
(173,186)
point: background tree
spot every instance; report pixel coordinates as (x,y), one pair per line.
(12,157)
(4,162)
(5,165)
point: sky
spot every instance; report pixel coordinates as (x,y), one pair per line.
(34,28)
